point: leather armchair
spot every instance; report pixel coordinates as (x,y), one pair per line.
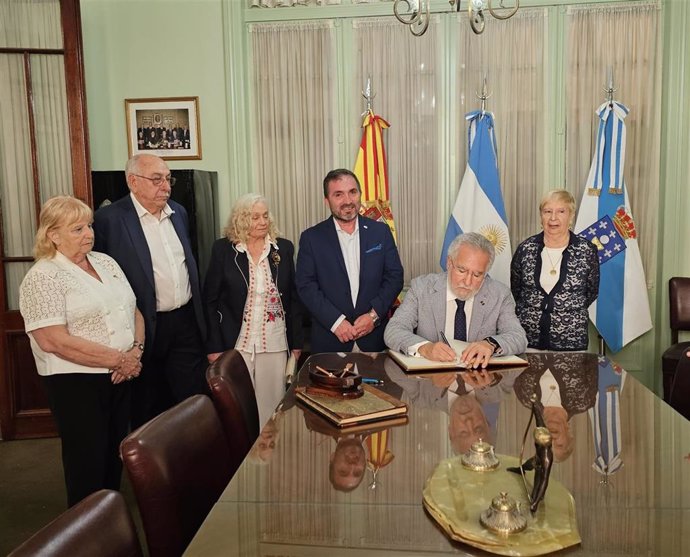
(235,401)
(679,314)
(178,465)
(99,525)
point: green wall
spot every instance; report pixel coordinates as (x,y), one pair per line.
(159,48)
(155,48)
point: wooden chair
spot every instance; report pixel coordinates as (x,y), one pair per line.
(679,316)
(99,525)
(235,401)
(178,465)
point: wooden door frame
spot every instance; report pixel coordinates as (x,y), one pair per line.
(38,422)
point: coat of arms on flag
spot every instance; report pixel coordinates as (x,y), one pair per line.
(610,235)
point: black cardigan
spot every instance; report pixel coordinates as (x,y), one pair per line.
(557,320)
(225,293)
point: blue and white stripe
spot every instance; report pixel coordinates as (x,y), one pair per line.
(621,312)
(479,206)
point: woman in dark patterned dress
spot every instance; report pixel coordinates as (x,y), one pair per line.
(554,278)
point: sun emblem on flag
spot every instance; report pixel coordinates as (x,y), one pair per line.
(495,235)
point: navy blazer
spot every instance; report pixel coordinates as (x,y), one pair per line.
(119,234)
(226,287)
(324,288)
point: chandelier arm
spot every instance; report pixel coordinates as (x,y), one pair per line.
(422,27)
(413,18)
(497,14)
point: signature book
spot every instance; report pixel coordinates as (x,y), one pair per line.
(418,363)
(372,406)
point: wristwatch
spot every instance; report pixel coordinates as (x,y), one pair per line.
(493,343)
(374,316)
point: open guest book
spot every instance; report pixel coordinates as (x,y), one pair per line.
(373,405)
(417,363)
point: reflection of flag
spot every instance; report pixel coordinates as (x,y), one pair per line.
(479,206)
(372,173)
(606,418)
(621,312)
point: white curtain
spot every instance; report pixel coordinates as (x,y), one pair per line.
(404,76)
(30,24)
(511,54)
(626,39)
(294,117)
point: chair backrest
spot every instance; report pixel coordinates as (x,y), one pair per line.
(178,465)
(679,306)
(235,400)
(679,397)
(99,525)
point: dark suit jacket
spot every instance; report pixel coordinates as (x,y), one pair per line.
(324,288)
(225,293)
(119,234)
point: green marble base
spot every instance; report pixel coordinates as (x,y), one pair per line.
(455,497)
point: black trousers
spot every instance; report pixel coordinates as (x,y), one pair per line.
(92,416)
(174,366)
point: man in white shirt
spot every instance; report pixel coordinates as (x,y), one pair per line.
(148,235)
(348,272)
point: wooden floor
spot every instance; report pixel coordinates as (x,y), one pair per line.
(32,490)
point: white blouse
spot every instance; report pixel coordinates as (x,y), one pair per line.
(263,323)
(58,292)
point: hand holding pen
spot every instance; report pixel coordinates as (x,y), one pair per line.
(438,351)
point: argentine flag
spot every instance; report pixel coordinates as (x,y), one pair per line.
(621,312)
(479,206)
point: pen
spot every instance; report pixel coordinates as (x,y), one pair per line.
(444,338)
(370,381)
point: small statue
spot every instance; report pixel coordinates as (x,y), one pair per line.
(542,461)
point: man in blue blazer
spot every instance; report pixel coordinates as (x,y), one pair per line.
(348,272)
(148,235)
(465,303)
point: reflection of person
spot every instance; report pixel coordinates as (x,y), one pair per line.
(348,272)
(87,338)
(347,464)
(250,299)
(262,450)
(564,385)
(467,424)
(148,235)
(554,278)
(465,303)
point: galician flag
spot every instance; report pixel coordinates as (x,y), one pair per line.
(621,312)
(479,206)
(372,173)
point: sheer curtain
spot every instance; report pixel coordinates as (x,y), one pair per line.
(294,119)
(511,54)
(594,45)
(30,24)
(404,75)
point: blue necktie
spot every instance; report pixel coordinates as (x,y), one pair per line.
(460,321)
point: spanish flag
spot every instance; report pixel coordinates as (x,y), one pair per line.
(372,173)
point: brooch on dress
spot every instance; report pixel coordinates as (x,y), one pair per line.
(275,256)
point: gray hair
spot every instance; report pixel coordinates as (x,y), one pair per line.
(476,241)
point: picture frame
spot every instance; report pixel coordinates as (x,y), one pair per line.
(167,127)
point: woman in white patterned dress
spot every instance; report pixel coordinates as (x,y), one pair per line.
(87,337)
(250,299)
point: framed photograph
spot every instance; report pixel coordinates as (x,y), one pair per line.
(167,127)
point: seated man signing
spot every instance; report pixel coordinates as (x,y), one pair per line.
(465,304)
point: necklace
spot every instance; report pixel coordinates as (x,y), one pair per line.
(553,265)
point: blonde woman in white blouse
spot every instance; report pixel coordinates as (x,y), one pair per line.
(87,337)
